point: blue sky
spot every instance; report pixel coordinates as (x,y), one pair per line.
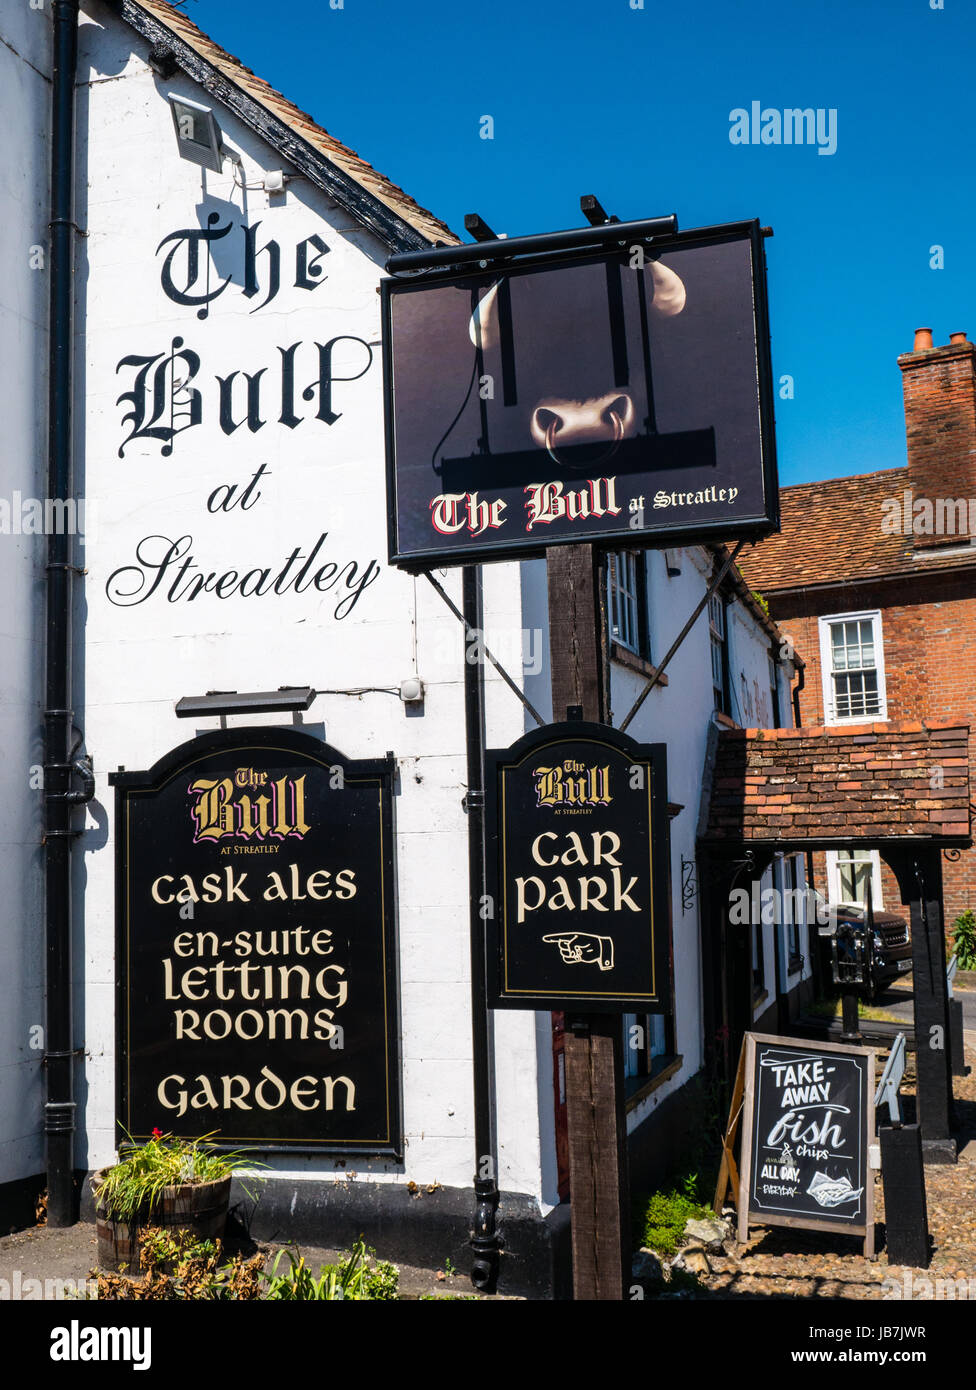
(633,105)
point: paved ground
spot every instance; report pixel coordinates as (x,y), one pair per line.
(59,1261)
(898,1001)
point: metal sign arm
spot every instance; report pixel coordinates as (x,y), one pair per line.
(730,561)
(572,238)
(470,633)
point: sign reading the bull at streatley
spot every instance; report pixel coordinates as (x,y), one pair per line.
(257,964)
(577,909)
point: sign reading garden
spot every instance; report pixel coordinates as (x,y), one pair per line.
(256,947)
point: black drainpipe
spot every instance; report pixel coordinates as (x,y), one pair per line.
(60,746)
(484,1237)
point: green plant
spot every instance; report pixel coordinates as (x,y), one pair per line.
(449,1267)
(357,1276)
(763,603)
(664,1214)
(964,939)
(135,1184)
(176,1266)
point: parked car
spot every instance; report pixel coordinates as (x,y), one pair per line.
(890,943)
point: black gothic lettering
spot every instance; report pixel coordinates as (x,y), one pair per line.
(169,404)
(192,237)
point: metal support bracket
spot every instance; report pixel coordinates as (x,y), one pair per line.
(470,634)
(689,884)
(699,608)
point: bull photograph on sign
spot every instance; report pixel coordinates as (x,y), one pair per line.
(619,394)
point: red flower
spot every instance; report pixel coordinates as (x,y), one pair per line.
(157,1133)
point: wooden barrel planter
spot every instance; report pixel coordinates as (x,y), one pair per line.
(199,1207)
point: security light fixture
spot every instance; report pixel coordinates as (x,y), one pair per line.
(288,697)
(197,133)
(411,690)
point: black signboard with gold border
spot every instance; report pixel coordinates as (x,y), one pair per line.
(578,909)
(257,984)
(604,395)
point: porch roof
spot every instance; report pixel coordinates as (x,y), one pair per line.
(826,787)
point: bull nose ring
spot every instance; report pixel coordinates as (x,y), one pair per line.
(618,434)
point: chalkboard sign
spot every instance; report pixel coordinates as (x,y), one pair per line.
(578,872)
(256,955)
(808,1124)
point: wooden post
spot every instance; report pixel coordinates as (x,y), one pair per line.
(598,1183)
(919,873)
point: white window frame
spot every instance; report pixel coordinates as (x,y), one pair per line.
(827,672)
(833,877)
(628,601)
(718,649)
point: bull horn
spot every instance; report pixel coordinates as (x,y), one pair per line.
(669,299)
(669,290)
(485,319)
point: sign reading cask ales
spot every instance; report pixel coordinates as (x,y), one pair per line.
(807,1127)
(257,961)
(577,913)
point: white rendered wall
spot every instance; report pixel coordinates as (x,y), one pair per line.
(25,98)
(139,660)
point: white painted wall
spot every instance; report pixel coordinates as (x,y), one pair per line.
(140,659)
(134,661)
(25,97)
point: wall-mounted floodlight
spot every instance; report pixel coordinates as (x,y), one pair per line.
(197,133)
(289,697)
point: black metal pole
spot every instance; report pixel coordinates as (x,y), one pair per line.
(59,1111)
(573,238)
(484,1238)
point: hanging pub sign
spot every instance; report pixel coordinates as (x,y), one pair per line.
(807,1127)
(577,912)
(256,956)
(618,396)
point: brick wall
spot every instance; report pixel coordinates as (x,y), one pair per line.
(928,632)
(939,385)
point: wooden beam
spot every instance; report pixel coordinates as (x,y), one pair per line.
(599,1193)
(919,874)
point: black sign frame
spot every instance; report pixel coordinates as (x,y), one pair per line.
(861,1063)
(665,531)
(299,748)
(655,964)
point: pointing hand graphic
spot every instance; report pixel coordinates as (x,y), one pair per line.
(577,947)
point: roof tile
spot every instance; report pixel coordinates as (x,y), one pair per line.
(304,125)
